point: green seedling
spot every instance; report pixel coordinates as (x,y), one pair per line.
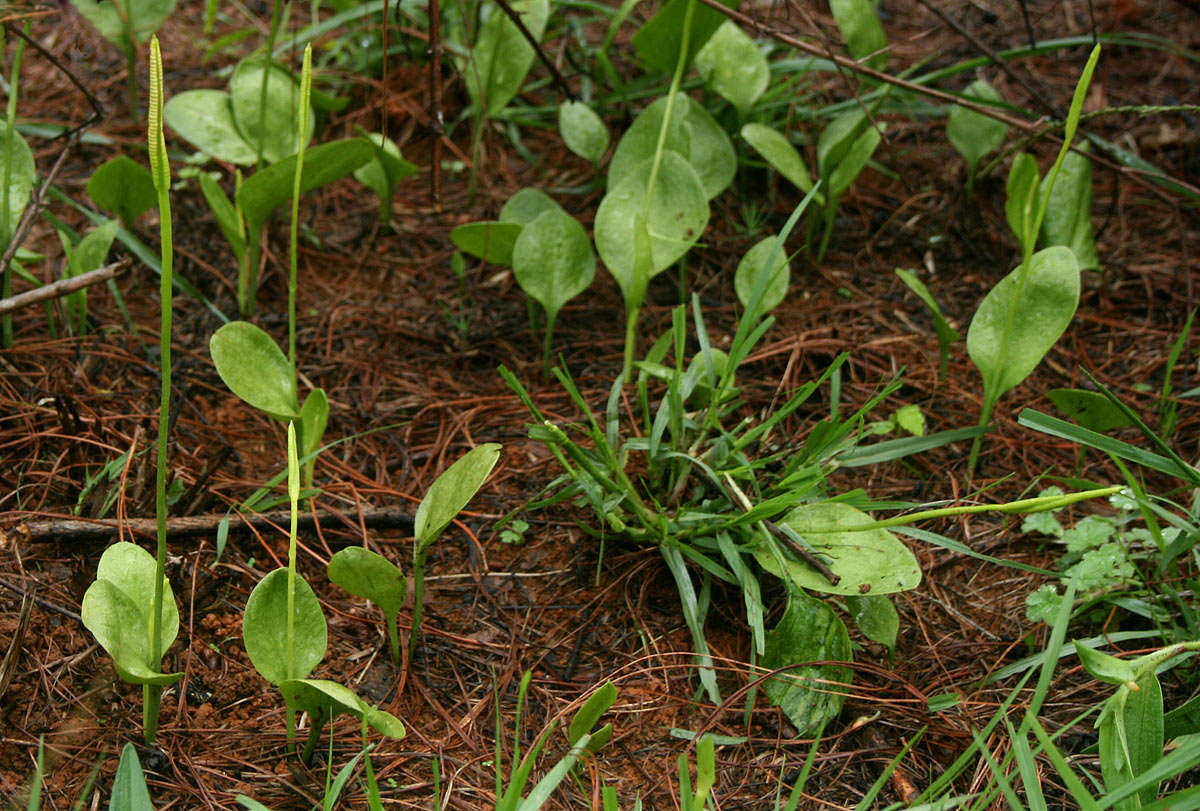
(334,785)
(251,364)
(946,334)
(384,171)
(706,775)
(132,612)
(670,40)
(126,24)
(371,576)
(582,130)
(233,126)
(18,174)
(286,636)
(129,791)
(1022,317)
(1091,409)
(862,31)
(733,66)
(756,263)
(87,255)
(445,499)
(1068,204)
(1168,411)
(972,133)
(124,187)
(499,62)
(548,250)
(581,735)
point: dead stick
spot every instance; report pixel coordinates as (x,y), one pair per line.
(62,287)
(512,14)
(77,530)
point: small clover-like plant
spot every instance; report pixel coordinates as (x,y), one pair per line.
(254,368)
(124,187)
(446,497)
(370,575)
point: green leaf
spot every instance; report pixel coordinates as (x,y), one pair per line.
(124,187)
(659,40)
(808,632)
(733,66)
(910,418)
(324,700)
(753,266)
(268,189)
(384,171)
(710,152)
(129,791)
(589,715)
(778,151)
(844,147)
(553,260)
(640,141)
(582,130)
(116,609)
(678,216)
(870,561)
(88,255)
(314,416)
(1022,317)
(1103,667)
(526,206)
(451,491)
(373,577)
(974,134)
(1131,738)
(255,369)
(264,629)
(277,130)
(1023,192)
(227,217)
(502,56)
(16,162)
(107,18)
(204,118)
(1068,218)
(860,27)
(876,617)
(490,241)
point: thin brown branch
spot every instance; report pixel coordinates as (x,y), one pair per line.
(62,287)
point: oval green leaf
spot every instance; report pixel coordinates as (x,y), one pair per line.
(582,130)
(255,369)
(451,491)
(502,57)
(490,241)
(710,152)
(371,576)
(1022,317)
(117,608)
(17,164)
(871,561)
(861,29)
(778,151)
(553,260)
(124,187)
(808,632)
(876,617)
(678,216)
(384,171)
(975,134)
(1023,191)
(1091,409)
(204,118)
(748,278)
(277,128)
(1068,219)
(323,699)
(732,65)
(526,206)
(264,629)
(640,141)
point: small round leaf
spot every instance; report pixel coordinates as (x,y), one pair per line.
(264,629)
(255,369)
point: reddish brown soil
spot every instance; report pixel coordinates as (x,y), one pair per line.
(397,341)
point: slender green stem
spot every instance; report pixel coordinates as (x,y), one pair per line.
(6,224)
(547,343)
(310,743)
(418,599)
(294,500)
(161,173)
(276,9)
(129,45)
(293,235)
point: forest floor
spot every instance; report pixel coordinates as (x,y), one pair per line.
(408,354)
